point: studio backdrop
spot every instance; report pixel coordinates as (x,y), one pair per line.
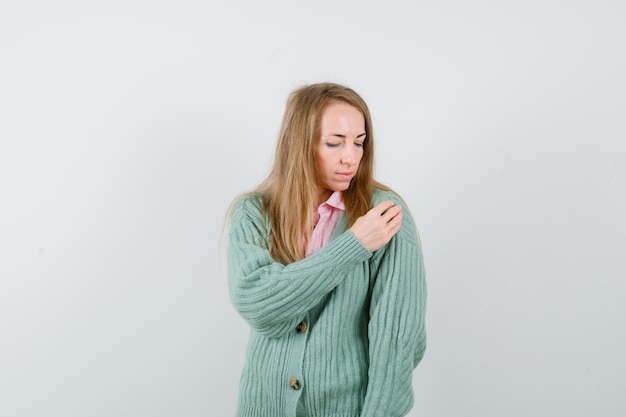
(128,127)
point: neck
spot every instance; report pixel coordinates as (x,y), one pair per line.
(323,195)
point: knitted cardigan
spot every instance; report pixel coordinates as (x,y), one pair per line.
(340,331)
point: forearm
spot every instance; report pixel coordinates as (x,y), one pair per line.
(273,297)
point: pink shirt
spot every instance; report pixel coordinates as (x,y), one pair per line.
(327,217)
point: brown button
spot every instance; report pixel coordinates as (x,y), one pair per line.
(294,384)
(301,328)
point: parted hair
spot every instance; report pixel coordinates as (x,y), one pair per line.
(290,191)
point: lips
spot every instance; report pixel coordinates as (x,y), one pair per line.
(345,175)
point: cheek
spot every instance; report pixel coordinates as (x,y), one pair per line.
(318,160)
(321,160)
(359,163)
(360,158)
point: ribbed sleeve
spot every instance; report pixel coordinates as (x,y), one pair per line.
(397,336)
(273,297)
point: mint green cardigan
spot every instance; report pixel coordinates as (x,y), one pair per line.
(337,334)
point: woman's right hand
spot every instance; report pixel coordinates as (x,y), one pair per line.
(377,226)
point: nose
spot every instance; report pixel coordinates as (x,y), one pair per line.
(348,156)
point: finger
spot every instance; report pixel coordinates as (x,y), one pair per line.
(392,212)
(395,222)
(396,229)
(382,208)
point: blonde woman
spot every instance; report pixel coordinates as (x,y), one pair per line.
(326,267)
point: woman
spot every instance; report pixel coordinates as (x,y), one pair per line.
(326,267)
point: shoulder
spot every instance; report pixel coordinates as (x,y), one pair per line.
(247,222)
(247,207)
(408,231)
(249,202)
(379,195)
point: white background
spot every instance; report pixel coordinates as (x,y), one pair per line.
(127,127)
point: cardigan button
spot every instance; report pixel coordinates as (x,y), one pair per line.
(301,328)
(294,384)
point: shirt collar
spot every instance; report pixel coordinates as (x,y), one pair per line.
(335,200)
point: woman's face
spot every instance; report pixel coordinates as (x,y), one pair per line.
(340,148)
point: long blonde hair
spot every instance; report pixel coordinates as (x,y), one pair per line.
(290,191)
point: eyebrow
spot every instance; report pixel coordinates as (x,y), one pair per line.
(344,136)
